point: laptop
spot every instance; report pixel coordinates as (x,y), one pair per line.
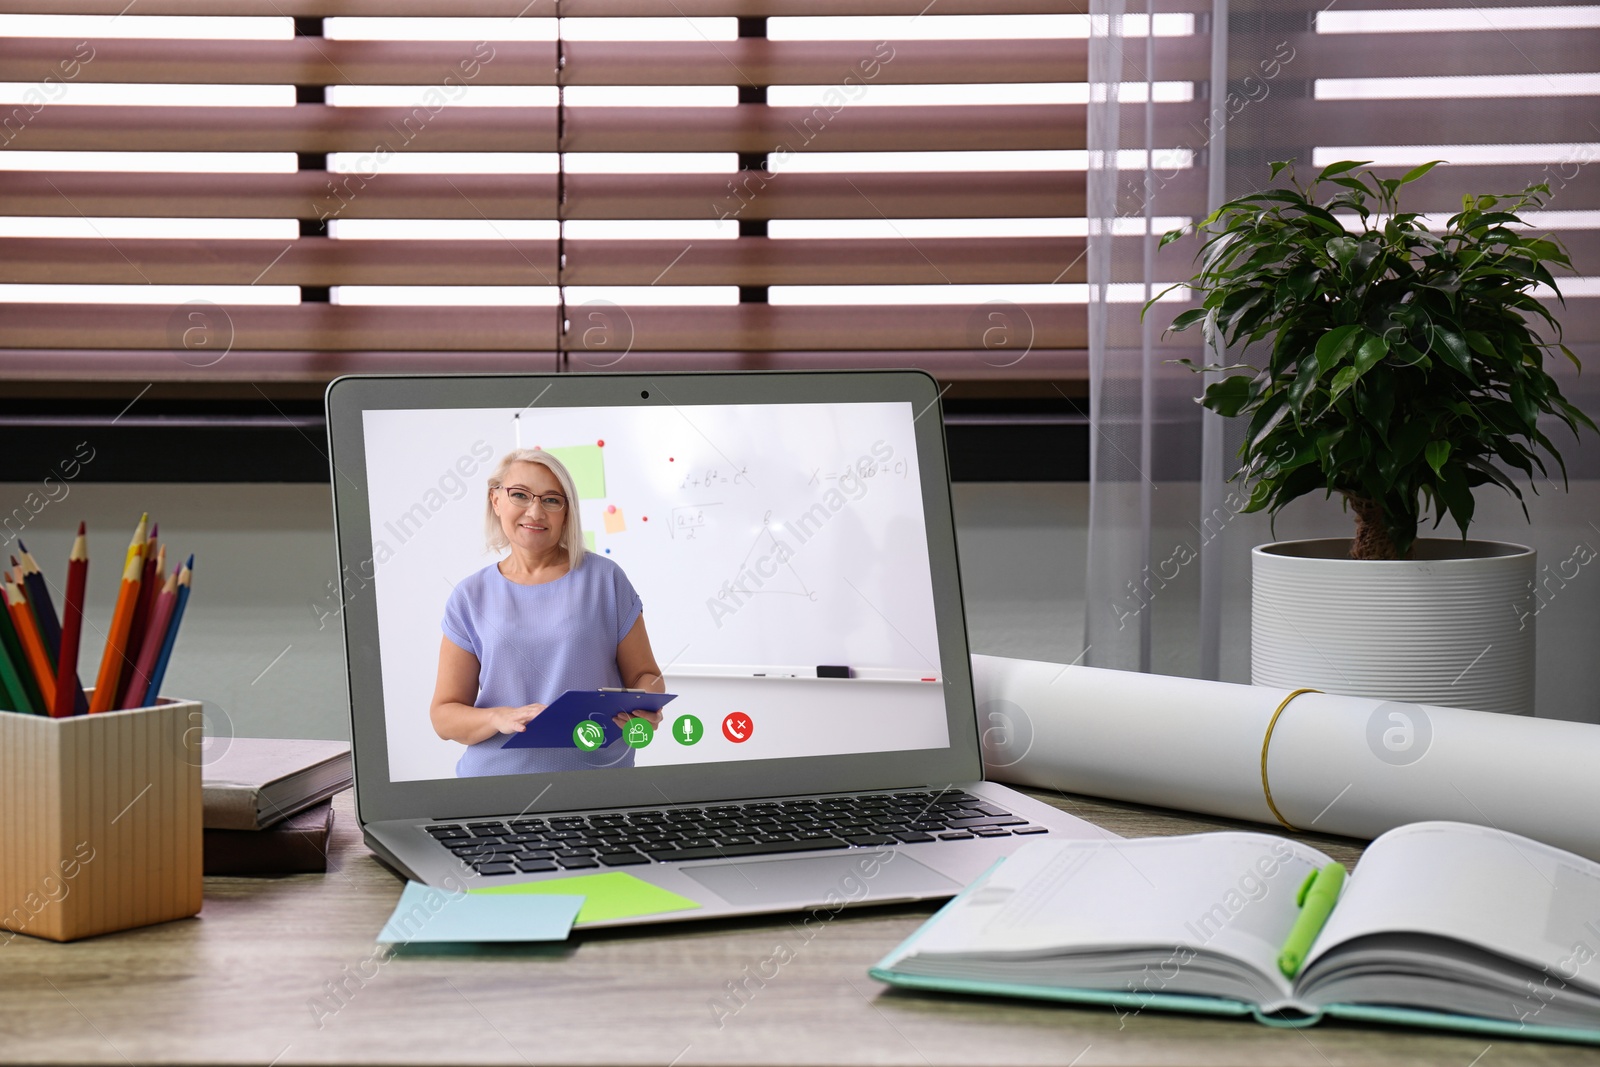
(780,546)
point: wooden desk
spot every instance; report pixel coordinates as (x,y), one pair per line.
(286,971)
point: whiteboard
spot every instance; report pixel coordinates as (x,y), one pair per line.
(756,535)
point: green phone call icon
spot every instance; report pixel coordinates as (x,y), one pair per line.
(588,735)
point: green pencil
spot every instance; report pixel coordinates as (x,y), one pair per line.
(20,696)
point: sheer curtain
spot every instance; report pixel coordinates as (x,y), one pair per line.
(1192,115)
(1147,152)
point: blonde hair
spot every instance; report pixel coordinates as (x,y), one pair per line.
(494,534)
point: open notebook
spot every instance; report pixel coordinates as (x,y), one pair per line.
(1441,924)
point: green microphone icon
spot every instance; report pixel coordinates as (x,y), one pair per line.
(686,730)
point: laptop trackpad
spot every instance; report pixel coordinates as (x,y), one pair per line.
(872,876)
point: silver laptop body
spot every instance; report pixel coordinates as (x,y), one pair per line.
(890,824)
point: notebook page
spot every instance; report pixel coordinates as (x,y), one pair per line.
(1232,893)
(1504,892)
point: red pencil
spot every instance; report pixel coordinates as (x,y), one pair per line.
(155,636)
(149,585)
(69,691)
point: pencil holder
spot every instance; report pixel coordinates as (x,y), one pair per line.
(100,820)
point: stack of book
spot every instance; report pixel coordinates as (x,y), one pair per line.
(268,807)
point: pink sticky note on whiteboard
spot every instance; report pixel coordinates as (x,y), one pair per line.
(614,523)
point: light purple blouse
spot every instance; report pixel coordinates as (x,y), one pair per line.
(533,643)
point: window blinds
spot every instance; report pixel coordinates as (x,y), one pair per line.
(901,185)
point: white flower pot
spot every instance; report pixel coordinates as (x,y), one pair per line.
(1453,626)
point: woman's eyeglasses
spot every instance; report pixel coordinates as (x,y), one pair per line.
(525,500)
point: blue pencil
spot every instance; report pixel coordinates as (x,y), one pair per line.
(44,608)
(160,671)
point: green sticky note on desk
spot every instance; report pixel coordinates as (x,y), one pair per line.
(587,465)
(613,895)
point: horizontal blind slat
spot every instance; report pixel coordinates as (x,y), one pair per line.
(304,261)
(292,61)
(1493,120)
(1421,54)
(123,365)
(306,194)
(334,327)
(321,128)
(316,195)
(569,8)
(329,327)
(757,61)
(748,261)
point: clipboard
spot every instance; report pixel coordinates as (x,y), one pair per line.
(552,727)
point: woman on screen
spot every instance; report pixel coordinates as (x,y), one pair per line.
(547,618)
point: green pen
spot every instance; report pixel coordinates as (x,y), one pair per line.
(1318,894)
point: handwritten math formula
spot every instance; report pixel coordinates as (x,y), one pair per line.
(863,468)
(714,476)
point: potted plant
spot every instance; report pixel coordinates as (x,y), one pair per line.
(1404,368)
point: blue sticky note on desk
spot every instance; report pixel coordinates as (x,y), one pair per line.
(429,914)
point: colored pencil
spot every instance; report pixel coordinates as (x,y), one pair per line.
(149,586)
(136,546)
(111,661)
(12,645)
(137,555)
(185,579)
(32,644)
(44,608)
(69,690)
(155,636)
(16,694)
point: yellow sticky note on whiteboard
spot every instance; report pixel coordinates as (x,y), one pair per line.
(614,523)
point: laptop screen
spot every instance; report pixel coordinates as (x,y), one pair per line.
(769,562)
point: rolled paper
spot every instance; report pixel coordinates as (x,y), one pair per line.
(1355,766)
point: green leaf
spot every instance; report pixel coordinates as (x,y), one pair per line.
(1171,236)
(1228,396)
(1527,410)
(1370,353)
(1334,345)
(1343,380)
(1358,185)
(1266,419)
(1437,452)
(1479,342)
(1416,172)
(1322,219)
(1301,282)
(1451,348)
(1278,167)
(1340,167)
(1303,383)
(1457,497)
(1344,250)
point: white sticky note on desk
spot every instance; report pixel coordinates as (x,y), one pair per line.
(429,914)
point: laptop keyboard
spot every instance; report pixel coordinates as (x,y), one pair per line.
(723,831)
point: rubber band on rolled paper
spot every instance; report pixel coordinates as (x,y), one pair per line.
(1266,742)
